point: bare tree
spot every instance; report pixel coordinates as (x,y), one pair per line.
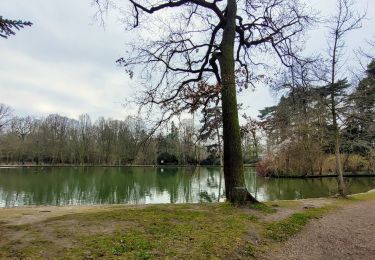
(344,21)
(368,53)
(5,115)
(22,127)
(85,138)
(251,129)
(192,45)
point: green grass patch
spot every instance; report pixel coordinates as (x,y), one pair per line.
(204,231)
(167,232)
(363,196)
(263,208)
(282,230)
(250,250)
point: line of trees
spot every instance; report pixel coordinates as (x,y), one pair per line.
(301,132)
(56,139)
(323,117)
(60,140)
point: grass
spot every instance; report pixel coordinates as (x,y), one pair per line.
(363,196)
(263,208)
(282,230)
(178,231)
(191,231)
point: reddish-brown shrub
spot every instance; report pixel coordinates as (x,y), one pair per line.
(262,167)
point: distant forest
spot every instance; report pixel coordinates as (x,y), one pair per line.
(56,140)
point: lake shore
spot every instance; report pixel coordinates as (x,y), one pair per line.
(194,231)
(330,175)
(347,174)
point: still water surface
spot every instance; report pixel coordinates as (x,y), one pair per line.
(144,185)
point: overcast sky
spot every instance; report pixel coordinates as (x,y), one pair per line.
(65,63)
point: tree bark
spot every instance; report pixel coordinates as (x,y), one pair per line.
(219,143)
(235,188)
(339,171)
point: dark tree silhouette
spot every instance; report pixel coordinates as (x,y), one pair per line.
(5,115)
(8,27)
(196,51)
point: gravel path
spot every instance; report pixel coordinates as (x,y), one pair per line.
(348,233)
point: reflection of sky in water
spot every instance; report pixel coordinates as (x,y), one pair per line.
(130,185)
(261,195)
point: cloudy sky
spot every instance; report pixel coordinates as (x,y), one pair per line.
(65,63)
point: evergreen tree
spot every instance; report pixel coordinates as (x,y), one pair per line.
(8,27)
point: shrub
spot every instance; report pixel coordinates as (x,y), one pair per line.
(210,160)
(167,158)
(263,167)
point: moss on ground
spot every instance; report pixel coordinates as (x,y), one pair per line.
(263,208)
(282,230)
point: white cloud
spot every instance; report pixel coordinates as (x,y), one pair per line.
(62,64)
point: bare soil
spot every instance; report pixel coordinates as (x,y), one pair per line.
(36,214)
(296,206)
(347,233)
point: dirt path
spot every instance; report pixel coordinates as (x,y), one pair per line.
(348,233)
(36,214)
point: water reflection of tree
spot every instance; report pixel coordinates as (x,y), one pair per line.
(359,184)
(212,180)
(73,186)
(168,180)
(205,197)
(295,188)
(187,184)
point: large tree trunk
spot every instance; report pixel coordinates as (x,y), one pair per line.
(235,189)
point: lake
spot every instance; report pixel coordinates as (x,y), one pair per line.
(149,185)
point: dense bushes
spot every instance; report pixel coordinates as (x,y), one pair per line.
(167,158)
(286,165)
(210,160)
(263,167)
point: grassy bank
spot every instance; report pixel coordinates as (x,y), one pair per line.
(192,231)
